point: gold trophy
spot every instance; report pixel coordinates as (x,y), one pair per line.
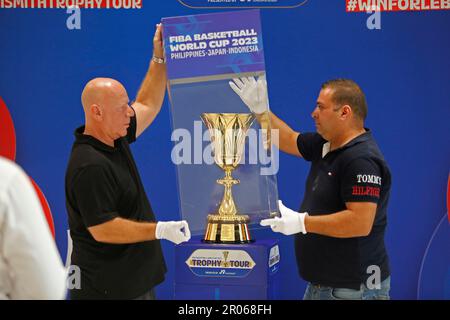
(227,133)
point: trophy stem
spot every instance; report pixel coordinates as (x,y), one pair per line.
(227,206)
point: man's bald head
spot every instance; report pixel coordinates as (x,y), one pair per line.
(106,107)
(101,91)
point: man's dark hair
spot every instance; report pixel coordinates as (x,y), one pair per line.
(346,91)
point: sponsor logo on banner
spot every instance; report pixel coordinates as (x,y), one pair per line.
(220,263)
(274,259)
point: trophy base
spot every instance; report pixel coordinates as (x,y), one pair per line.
(229,230)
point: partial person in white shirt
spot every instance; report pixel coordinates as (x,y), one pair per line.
(30,265)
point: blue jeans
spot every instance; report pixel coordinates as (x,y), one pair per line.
(318,292)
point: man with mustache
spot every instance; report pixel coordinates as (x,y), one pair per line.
(339,229)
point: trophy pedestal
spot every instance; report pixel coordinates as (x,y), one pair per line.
(227,229)
(227,272)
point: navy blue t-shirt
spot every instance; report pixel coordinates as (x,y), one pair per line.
(356,172)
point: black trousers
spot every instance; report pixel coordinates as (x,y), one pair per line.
(150,295)
(84,295)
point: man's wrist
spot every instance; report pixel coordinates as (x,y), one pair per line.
(303,218)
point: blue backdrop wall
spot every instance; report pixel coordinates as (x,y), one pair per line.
(404,69)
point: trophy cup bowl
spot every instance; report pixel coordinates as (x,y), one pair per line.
(227,132)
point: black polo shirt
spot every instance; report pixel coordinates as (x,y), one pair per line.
(356,172)
(102,183)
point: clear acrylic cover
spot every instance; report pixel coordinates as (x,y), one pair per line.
(230,168)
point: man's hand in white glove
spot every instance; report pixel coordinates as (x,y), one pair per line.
(291,221)
(253,93)
(175,231)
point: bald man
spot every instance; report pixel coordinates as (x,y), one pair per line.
(114,231)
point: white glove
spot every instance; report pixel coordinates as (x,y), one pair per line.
(175,231)
(253,93)
(291,221)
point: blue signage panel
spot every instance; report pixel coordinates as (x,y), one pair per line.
(213,44)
